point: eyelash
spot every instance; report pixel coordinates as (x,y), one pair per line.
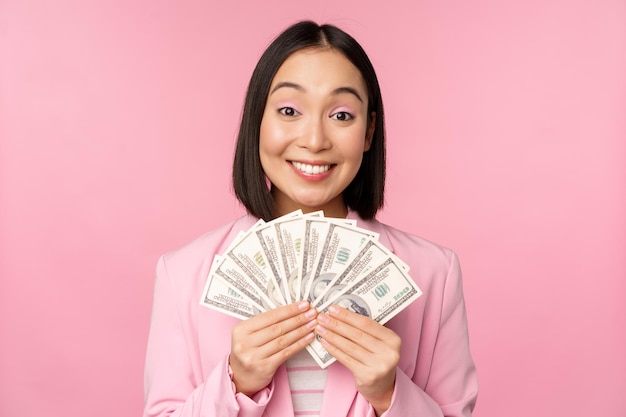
(347,116)
(291,112)
(284,110)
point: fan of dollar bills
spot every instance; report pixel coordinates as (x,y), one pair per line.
(309,257)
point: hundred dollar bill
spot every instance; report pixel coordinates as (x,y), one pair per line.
(315,231)
(290,235)
(371,255)
(270,239)
(380,295)
(341,245)
(265,294)
(248,253)
(221,296)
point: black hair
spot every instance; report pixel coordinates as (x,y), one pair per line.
(365,194)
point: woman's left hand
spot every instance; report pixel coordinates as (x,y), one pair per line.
(368,349)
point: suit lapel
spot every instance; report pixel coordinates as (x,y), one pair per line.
(375,226)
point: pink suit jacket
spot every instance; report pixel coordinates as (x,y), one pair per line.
(186,370)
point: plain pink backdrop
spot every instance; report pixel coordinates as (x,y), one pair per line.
(506,140)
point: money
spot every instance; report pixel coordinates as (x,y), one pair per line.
(372,254)
(379,295)
(315,233)
(342,243)
(309,257)
(231,273)
(251,256)
(268,238)
(222,296)
(289,234)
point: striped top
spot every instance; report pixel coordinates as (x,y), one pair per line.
(307,381)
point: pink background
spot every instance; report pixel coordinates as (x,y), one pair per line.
(507,142)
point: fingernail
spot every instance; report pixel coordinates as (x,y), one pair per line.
(321,330)
(323,318)
(310,314)
(311,324)
(303,305)
(333,309)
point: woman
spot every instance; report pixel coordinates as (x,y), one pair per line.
(313,128)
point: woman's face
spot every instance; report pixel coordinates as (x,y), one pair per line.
(314,131)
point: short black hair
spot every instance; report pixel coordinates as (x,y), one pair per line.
(365,194)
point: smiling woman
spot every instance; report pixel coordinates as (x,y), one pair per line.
(312,138)
(302,45)
(314,131)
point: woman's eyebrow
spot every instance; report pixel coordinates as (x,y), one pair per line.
(287,84)
(349,90)
(298,87)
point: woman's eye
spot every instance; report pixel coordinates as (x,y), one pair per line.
(287,111)
(342,116)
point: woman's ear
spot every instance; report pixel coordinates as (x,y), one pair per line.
(369,134)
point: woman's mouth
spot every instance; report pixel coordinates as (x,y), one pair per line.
(310,169)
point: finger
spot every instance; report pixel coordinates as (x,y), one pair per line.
(349,340)
(374,357)
(275,315)
(285,332)
(357,334)
(359,321)
(284,347)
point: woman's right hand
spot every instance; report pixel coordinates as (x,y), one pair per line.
(262,343)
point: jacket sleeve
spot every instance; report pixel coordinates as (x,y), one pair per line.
(172,375)
(452,386)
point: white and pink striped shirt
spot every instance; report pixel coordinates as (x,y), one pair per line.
(307,381)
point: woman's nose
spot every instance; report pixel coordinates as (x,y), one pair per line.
(314,136)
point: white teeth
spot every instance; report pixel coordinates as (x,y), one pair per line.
(310,169)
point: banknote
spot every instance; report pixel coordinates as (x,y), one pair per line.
(315,231)
(380,295)
(372,254)
(290,235)
(220,295)
(248,253)
(341,245)
(268,237)
(262,293)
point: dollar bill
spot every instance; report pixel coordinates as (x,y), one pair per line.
(271,240)
(264,294)
(315,231)
(249,255)
(341,245)
(380,295)
(372,254)
(290,239)
(268,237)
(220,295)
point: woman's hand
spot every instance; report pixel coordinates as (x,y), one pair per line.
(262,343)
(368,349)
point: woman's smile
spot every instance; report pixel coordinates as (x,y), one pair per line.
(312,171)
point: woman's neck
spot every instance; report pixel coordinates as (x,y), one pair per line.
(330,210)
